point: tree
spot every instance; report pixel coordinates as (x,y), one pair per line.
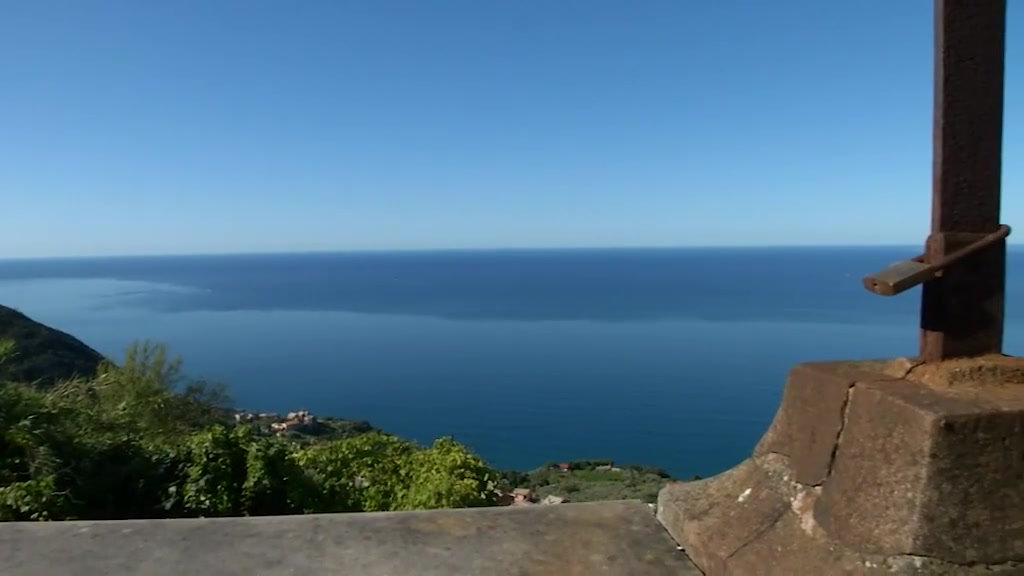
(140,440)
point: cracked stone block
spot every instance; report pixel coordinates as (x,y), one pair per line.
(810,417)
(930,471)
(870,467)
(790,546)
(710,532)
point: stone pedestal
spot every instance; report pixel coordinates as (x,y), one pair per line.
(870,467)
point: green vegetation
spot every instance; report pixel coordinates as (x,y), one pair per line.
(84,438)
(139,441)
(591,480)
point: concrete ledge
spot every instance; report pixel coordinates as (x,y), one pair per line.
(613,538)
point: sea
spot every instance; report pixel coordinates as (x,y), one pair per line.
(673,358)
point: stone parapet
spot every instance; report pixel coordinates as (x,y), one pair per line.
(871,467)
(607,538)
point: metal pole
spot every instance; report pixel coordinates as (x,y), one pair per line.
(962,310)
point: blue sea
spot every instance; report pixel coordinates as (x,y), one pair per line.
(668,357)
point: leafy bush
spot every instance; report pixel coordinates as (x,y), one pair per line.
(139,441)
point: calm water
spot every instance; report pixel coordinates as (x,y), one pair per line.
(673,358)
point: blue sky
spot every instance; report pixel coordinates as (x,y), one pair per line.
(197,126)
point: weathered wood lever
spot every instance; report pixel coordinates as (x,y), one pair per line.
(904,275)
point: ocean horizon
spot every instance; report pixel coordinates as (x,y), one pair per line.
(670,357)
(450,250)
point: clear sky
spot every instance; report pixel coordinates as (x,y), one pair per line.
(188,126)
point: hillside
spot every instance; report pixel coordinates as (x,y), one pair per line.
(148,400)
(590,481)
(43,355)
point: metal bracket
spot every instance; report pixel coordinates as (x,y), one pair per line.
(906,274)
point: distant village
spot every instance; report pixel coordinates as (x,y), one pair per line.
(272,423)
(304,422)
(526,497)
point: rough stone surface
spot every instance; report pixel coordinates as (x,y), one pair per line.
(930,471)
(613,538)
(789,543)
(873,498)
(924,475)
(963,473)
(710,532)
(993,370)
(792,545)
(810,418)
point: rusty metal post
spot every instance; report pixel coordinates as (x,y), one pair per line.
(962,310)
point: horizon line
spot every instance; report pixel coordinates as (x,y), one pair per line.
(383,251)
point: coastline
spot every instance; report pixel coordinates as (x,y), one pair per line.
(551,483)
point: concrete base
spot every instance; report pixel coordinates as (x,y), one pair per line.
(871,467)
